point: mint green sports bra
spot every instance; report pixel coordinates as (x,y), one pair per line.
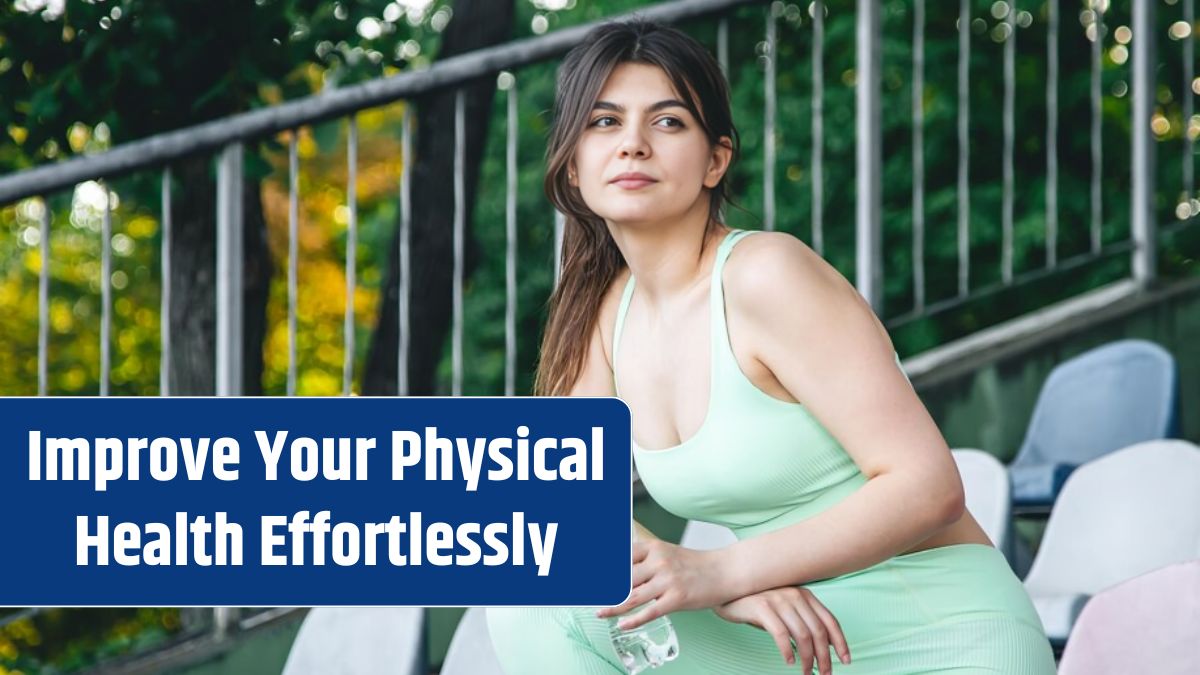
(757,463)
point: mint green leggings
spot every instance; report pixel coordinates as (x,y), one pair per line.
(956,609)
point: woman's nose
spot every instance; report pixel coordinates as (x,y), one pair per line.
(633,144)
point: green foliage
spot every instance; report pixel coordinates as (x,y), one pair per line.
(73,86)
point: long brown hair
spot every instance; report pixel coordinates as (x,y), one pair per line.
(590,257)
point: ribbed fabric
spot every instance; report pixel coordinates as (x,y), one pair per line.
(758,464)
(721,474)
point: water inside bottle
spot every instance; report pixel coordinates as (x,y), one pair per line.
(647,646)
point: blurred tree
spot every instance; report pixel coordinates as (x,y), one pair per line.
(433,208)
(141,68)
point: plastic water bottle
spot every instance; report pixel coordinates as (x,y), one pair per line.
(647,646)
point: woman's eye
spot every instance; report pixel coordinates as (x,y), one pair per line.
(609,121)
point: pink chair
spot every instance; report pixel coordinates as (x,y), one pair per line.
(1149,624)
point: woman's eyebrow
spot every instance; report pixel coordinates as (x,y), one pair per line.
(661,105)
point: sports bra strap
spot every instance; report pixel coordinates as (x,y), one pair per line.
(716,300)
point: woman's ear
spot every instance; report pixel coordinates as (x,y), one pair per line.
(572,176)
(718,162)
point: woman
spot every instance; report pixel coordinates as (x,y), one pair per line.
(765,397)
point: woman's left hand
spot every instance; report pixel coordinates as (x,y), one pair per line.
(676,578)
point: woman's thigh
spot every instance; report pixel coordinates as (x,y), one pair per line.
(573,640)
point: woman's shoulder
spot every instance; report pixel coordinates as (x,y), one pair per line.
(771,267)
(770,275)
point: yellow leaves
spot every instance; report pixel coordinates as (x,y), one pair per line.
(365,301)
(62,319)
(141,227)
(74,378)
(127,340)
(306,146)
(146,319)
(375,119)
(78,136)
(32,261)
(329,354)
(128,369)
(270,93)
(74,312)
(21,630)
(318,383)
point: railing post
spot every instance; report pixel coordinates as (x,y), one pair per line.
(1142,203)
(460,225)
(44,299)
(869,261)
(225,621)
(769,105)
(164,311)
(106,291)
(229,271)
(351,255)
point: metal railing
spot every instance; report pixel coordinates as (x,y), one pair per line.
(227,137)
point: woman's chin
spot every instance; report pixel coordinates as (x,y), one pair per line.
(635,216)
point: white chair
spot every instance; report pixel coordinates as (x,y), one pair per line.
(703,536)
(359,641)
(1125,514)
(1107,398)
(471,651)
(1146,625)
(988,489)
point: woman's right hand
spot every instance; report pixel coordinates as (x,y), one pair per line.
(792,613)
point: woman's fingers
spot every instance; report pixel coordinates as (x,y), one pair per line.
(636,598)
(640,550)
(831,623)
(799,632)
(648,614)
(819,636)
(778,632)
(641,574)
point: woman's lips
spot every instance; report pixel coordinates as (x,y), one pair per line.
(633,183)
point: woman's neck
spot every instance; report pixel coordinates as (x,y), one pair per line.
(668,259)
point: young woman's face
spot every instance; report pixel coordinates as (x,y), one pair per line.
(642,156)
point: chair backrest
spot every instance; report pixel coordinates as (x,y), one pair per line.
(1100,401)
(471,651)
(359,641)
(988,490)
(703,536)
(1150,624)
(1122,515)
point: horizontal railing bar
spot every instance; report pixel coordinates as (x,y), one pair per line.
(453,71)
(26,613)
(266,617)
(1164,230)
(996,287)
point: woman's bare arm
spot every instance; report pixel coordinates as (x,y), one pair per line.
(823,343)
